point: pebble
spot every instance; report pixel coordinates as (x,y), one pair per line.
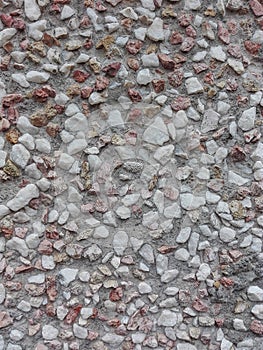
(20,155)
(247,120)
(67,275)
(193,86)
(167,318)
(155,31)
(49,332)
(255,293)
(6,35)
(23,197)
(37,77)
(156,133)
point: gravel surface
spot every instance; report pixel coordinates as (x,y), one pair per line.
(131,175)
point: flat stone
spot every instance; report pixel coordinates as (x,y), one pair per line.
(144,77)
(115,118)
(237,179)
(167,319)
(2,293)
(24,306)
(3,211)
(151,60)
(20,155)
(193,86)
(155,32)
(37,77)
(191,202)
(23,197)
(80,332)
(32,10)
(49,332)
(257,310)
(6,35)
(113,339)
(169,275)
(101,232)
(66,12)
(192,5)
(164,154)
(144,288)
(203,272)
(156,133)
(77,122)
(67,275)
(227,234)
(20,79)
(65,161)
(146,252)
(210,121)
(181,254)
(185,346)
(218,53)
(255,293)
(123,212)
(24,126)
(247,120)
(76,146)
(120,242)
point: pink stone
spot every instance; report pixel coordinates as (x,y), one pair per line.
(251,47)
(199,305)
(80,76)
(45,247)
(166,61)
(176,78)
(101,83)
(112,69)
(187,44)
(134,46)
(256,327)
(223,34)
(7,20)
(185,19)
(256,7)
(5,319)
(176,38)
(181,102)
(190,31)
(134,95)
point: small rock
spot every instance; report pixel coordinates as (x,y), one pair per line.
(167,319)
(191,202)
(247,120)
(120,242)
(255,293)
(113,339)
(23,197)
(67,275)
(144,77)
(20,79)
(193,86)
(227,234)
(20,155)
(6,35)
(49,332)
(218,53)
(80,332)
(181,254)
(155,31)
(37,77)
(192,5)
(156,133)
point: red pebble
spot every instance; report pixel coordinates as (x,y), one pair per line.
(101,83)
(7,20)
(256,327)
(166,61)
(73,314)
(134,95)
(134,46)
(256,7)
(116,294)
(251,47)
(181,102)
(80,76)
(176,38)
(112,69)
(223,34)
(86,92)
(187,44)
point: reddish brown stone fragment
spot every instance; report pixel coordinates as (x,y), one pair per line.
(158,85)
(45,247)
(5,319)
(134,46)
(176,78)
(51,287)
(73,314)
(133,63)
(185,19)
(11,99)
(187,44)
(256,327)
(116,294)
(200,67)
(256,7)
(251,47)
(237,154)
(199,305)
(134,95)
(7,20)
(190,31)
(166,61)
(86,92)
(176,38)
(181,102)
(112,69)
(80,76)
(223,34)
(101,83)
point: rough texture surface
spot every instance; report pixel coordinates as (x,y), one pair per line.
(131,175)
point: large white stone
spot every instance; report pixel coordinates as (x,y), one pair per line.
(191,202)
(167,319)
(144,77)
(67,275)
(247,120)
(193,86)
(23,197)
(255,293)
(49,332)
(155,31)
(20,79)
(37,77)
(20,155)
(156,133)
(19,245)
(6,34)
(32,10)
(77,122)
(227,234)
(120,242)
